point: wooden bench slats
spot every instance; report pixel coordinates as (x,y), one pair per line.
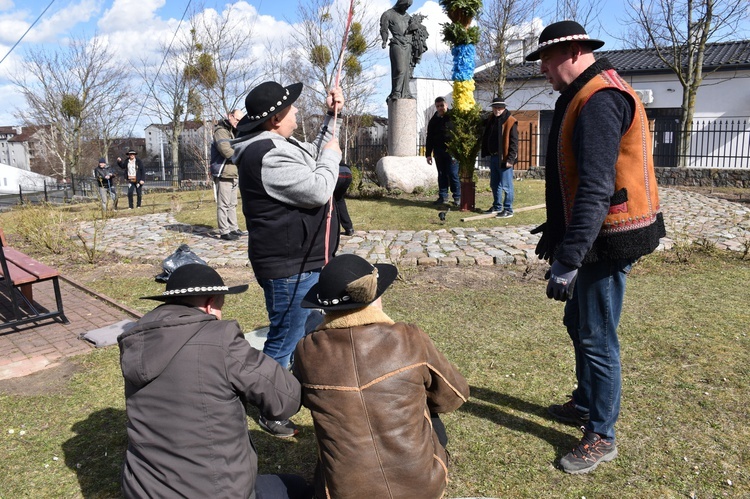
(19,272)
(18,275)
(33,267)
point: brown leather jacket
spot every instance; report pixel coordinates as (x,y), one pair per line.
(370,385)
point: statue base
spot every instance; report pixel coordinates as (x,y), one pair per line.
(402,127)
(406,173)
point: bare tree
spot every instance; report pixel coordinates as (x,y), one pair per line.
(74,94)
(506,29)
(678,31)
(225,68)
(172,99)
(319,36)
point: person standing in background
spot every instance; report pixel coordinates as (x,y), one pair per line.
(500,143)
(226,177)
(135,175)
(437,145)
(105,180)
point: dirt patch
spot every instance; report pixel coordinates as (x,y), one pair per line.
(50,380)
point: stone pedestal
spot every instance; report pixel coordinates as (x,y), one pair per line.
(402,127)
(406,173)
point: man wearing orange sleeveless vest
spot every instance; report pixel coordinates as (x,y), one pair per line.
(603,214)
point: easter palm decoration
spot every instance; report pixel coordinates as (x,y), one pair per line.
(465,134)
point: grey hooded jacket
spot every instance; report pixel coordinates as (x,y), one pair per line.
(187,375)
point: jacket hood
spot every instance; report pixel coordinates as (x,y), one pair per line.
(147,349)
(241,143)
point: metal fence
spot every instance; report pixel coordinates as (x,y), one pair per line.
(712,144)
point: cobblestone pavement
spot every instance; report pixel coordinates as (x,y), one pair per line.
(689,216)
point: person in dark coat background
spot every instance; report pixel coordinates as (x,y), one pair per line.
(436,145)
(135,174)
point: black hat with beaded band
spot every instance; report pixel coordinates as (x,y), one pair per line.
(497,102)
(195,279)
(265,100)
(561,32)
(349,281)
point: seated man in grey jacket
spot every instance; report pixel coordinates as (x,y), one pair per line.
(188,375)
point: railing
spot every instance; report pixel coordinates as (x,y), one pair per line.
(713,144)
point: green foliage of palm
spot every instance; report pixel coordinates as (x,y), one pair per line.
(456,34)
(469,8)
(465,139)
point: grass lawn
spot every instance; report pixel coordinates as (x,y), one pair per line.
(684,429)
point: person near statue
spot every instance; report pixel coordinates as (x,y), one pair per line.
(500,143)
(408,42)
(436,146)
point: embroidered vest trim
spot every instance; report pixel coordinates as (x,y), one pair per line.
(635,182)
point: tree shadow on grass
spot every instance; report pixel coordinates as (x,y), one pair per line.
(497,407)
(96,452)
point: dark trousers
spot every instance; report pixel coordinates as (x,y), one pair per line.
(137,188)
(447,175)
(344,218)
(282,486)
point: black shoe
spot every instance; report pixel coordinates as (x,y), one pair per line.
(492,210)
(230,236)
(439,201)
(281,429)
(587,455)
(239,233)
(505,214)
(348,232)
(567,413)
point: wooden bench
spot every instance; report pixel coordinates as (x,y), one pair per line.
(19,273)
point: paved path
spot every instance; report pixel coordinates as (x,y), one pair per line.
(689,217)
(33,347)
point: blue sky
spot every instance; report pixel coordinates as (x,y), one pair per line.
(135,26)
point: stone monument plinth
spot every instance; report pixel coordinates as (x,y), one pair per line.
(402,127)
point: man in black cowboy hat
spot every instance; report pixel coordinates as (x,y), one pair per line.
(374,388)
(286,187)
(188,375)
(500,143)
(135,175)
(602,214)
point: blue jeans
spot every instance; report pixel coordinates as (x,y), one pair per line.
(501,181)
(287,317)
(447,169)
(592,317)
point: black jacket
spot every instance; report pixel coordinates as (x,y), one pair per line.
(437,134)
(140,172)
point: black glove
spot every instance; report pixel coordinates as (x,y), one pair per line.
(542,247)
(562,280)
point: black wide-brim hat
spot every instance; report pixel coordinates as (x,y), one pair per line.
(195,279)
(330,292)
(560,32)
(265,100)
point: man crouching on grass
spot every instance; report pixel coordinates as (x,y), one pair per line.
(187,376)
(374,388)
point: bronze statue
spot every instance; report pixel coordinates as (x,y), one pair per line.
(408,43)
